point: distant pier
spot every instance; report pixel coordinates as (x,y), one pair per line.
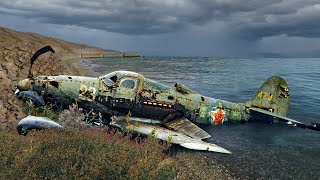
(110,55)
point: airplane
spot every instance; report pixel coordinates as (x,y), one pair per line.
(128,100)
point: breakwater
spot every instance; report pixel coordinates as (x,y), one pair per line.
(109,55)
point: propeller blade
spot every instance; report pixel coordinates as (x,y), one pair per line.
(37,54)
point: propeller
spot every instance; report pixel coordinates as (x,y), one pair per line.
(36,55)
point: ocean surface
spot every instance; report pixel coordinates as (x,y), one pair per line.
(260,150)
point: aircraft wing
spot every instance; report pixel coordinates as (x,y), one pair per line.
(184,126)
(313,126)
(138,125)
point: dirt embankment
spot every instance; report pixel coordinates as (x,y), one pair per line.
(16,49)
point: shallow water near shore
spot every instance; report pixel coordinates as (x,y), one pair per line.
(260,151)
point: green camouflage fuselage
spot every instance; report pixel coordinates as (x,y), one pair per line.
(123,91)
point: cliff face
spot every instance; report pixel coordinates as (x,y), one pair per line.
(16,49)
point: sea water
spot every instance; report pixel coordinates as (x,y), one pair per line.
(260,151)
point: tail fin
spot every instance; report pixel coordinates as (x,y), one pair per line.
(272,102)
(272,96)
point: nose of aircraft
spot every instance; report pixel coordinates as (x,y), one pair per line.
(24,85)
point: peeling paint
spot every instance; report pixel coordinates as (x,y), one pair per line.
(122,91)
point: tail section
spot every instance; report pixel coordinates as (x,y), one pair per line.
(272,102)
(273,96)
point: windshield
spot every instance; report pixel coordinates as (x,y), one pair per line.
(110,79)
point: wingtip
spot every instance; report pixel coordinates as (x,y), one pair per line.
(226,151)
(204,146)
(220,150)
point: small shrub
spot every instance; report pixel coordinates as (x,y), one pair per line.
(128,117)
(153,133)
(42,111)
(72,117)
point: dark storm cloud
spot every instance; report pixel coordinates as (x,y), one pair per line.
(245,18)
(292,18)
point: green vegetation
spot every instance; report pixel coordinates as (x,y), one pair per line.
(43,111)
(89,154)
(128,117)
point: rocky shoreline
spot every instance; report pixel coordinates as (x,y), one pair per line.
(16,49)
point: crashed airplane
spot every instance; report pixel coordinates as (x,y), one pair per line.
(170,113)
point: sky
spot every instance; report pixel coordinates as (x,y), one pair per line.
(228,28)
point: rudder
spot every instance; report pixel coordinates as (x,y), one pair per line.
(272,96)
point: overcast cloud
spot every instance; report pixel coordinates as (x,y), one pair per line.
(251,22)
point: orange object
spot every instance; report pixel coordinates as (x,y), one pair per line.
(218,116)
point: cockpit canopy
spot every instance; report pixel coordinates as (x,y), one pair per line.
(128,80)
(112,78)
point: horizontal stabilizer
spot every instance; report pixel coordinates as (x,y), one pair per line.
(186,127)
(313,126)
(167,135)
